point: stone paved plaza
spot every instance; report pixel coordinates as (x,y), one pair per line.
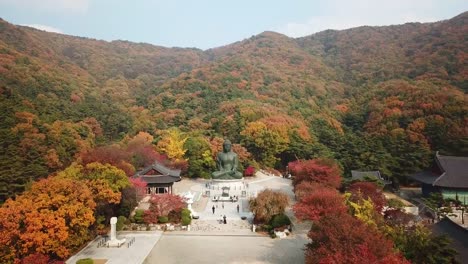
(143,244)
(210,240)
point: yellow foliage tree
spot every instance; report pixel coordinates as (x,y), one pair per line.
(172,144)
(362,210)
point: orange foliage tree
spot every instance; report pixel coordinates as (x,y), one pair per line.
(53,218)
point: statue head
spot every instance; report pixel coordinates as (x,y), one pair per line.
(227,145)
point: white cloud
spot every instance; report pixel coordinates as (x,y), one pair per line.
(45,28)
(342,14)
(78,6)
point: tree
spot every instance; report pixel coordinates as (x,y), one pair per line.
(322,201)
(263,142)
(172,144)
(364,210)
(162,205)
(113,155)
(341,238)
(53,218)
(267,204)
(305,188)
(322,171)
(116,178)
(199,156)
(368,190)
(419,245)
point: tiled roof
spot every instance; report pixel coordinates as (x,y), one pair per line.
(159,179)
(360,175)
(160,168)
(455,171)
(166,175)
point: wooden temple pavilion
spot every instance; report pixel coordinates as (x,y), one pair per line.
(448,175)
(159,178)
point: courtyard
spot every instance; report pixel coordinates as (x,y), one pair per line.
(210,240)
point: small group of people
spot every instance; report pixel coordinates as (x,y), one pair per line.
(234,198)
(214,208)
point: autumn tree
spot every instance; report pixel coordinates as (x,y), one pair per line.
(320,202)
(172,144)
(368,190)
(111,154)
(263,142)
(105,182)
(141,150)
(162,205)
(267,204)
(341,238)
(53,218)
(322,171)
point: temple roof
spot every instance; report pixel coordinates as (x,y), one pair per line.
(361,175)
(159,178)
(158,173)
(454,172)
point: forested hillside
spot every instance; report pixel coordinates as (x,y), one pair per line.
(381,98)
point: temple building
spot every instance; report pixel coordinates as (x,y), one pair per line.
(367,175)
(159,178)
(448,175)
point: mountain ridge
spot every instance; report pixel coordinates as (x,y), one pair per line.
(370,97)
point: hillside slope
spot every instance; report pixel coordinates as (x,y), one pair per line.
(370,97)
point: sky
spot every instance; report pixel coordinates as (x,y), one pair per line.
(208,24)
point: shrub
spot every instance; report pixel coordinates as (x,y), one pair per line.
(185,212)
(120,222)
(163,219)
(250,171)
(280,220)
(395,203)
(175,216)
(85,261)
(139,216)
(186,220)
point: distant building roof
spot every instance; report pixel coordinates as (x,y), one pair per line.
(361,175)
(453,172)
(158,173)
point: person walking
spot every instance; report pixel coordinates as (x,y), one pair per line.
(237,208)
(223,205)
(224,219)
(213,208)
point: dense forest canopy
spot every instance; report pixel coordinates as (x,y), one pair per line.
(372,98)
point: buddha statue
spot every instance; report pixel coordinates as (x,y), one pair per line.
(227,162)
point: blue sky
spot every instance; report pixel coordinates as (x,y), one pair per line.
(211,23)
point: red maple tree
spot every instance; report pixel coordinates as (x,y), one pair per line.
(368,190)
(322,201)
(322,171)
